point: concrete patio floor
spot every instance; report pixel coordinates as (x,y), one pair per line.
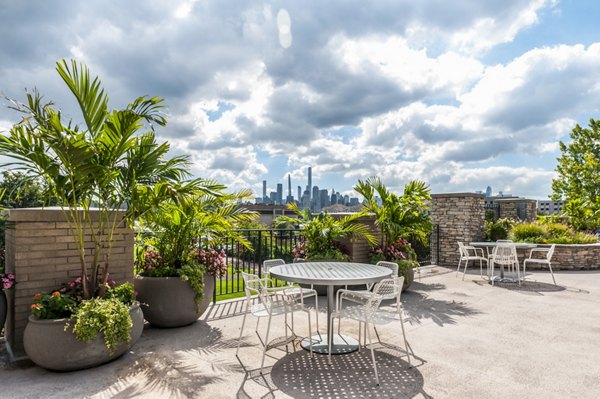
(472,340)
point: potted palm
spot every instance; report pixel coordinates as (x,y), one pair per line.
(399,217)
(177,260)
(103,174)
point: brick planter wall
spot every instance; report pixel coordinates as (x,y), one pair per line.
(43,255)
(460,217)
(360,249)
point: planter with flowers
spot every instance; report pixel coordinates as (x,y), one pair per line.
(103,175)
(67,333)
(398,217)
(7,281)
(175,274)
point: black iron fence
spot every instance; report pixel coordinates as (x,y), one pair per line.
(279,243)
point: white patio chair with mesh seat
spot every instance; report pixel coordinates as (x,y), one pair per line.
(365,313)
(384,316)
(469,253)
(291,290)
(269,305)
(393,266)
(546,260)
(505,255)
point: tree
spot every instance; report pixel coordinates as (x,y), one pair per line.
(578,176)
(398,216)
(106,164)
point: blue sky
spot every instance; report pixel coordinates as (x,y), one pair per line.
(459,94)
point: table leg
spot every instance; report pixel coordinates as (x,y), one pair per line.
(320,343)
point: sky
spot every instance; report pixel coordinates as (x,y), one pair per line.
(461,94)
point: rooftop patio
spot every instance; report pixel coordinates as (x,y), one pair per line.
(471,340)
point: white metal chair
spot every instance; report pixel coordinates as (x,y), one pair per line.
(548,252)
(268,305)
(505,255)
(468,253)
(368,312)
(291,290)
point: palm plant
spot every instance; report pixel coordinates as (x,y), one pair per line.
(105,164)
(322,231)
(398,216)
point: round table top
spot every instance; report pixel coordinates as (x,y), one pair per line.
(494,243)
(330,273)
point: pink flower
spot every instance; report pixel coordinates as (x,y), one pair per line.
(71,284)
(135,293)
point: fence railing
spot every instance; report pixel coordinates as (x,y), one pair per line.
(277,243)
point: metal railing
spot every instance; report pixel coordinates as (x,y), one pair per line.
(278,243)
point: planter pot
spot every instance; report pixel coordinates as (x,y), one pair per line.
(409,277)
(3,309)
(48,344)
(170,301)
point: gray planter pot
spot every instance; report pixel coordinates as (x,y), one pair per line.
(3,309)
(49,346)
(170,302)
(409,277)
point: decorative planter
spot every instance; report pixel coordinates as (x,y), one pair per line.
(409,277)
(170,301)
(48,344)
(3,309)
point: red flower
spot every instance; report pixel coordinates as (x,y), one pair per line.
(56,293)
(37,296)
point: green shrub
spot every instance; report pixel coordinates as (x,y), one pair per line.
(528,231)
(498,230)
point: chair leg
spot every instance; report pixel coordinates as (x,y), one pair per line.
(552,273)
(317,310)
(309,334)
(329,339)
(465,272)
(262,363)
(405,340)
(372,354)
(458,268)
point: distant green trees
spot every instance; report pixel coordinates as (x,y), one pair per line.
(578,177)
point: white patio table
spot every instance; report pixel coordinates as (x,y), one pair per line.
(330,274)
(491,244)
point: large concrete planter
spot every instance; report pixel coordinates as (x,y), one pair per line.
(49,346)
(170,302)
(409,277)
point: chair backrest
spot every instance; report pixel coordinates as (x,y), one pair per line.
(386,288)
(252,284)
(268,264)
(393,266)
(461,248)
(504,253)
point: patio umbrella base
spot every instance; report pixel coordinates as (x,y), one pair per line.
(341,344)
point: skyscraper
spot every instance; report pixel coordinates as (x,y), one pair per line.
(309,181)
(264,189)
(279,193)
(299,194)
(289,185)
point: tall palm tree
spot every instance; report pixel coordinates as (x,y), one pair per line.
(105,163)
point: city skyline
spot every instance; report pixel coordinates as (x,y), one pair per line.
(456,95)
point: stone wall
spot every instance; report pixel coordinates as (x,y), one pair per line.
(460,217)
(572,257)
(42,253)
(508,208)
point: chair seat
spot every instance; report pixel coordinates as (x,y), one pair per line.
(299,291)
(259,309)
(545,261)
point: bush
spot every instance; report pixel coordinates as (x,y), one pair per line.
(497,230)
(550,233)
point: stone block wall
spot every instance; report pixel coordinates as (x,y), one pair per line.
(42,253)
(572,257)
(507,208)
(460,217)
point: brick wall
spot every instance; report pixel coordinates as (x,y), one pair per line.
(43,255)
(460,217)
(507,208)
(360,249)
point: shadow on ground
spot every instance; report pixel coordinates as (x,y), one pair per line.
(349,376)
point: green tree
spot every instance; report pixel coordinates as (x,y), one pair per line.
(398,216)
(105,163)
(578,176)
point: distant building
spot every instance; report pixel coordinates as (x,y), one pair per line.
(488,191)
(279,194)
(548,207)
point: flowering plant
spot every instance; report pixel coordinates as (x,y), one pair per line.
(215,261)
(8,280)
